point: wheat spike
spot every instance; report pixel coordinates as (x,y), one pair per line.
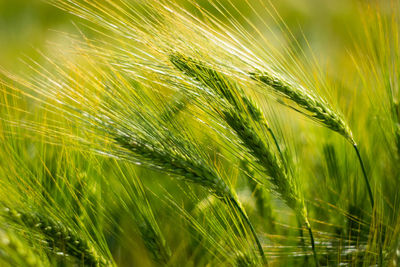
(192,171)
(226,89)
(154,242)
(317,109)
(238,116)
(58,237)
(189,169)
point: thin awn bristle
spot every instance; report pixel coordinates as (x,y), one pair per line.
(178,104)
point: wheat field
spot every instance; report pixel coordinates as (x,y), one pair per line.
(200,133)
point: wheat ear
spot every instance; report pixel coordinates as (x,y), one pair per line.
(224,88)
(318,110)
(58,236)
(154,242)
(191,170)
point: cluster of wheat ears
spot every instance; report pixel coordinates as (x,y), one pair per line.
(195,97)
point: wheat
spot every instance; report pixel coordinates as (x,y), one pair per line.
(281,181)
(58,237)
(318,110)
(236,117)
(190,170)
(239,120)
(224,88)
(154,242)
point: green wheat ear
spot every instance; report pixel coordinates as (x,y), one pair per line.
(189,169)
(317,109)
(58,236)
(236,117)
(154,242)
(224,88)
(171,161)
(239,120)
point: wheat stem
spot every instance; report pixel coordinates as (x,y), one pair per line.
(370,195)
(312,243)
(371,199)
(247,220)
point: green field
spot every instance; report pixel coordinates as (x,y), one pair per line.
(199,133)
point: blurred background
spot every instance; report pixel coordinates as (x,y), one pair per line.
(28,25)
